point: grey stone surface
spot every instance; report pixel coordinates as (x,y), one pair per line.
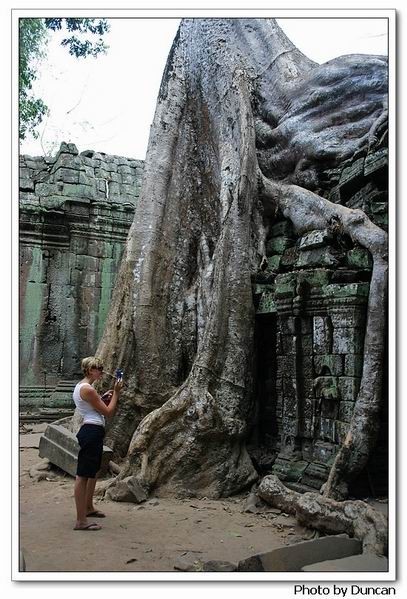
(355,563)
(294,557)
(60,446)
(218,566)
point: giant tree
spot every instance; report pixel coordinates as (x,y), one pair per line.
(244,126)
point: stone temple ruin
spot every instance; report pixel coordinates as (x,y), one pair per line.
(310,330)
(75,212)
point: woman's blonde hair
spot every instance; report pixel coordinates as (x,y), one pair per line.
(91,362)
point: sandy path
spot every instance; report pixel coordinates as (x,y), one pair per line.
(147,537)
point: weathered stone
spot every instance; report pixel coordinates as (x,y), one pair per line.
(267,304)
(353,365)
(58,231)
(359,258)
(295,557)
(188,563)
(347,340)
(343,291)
(366,562)
(322,335)
(346,409)
(332,363)
(218,566)
(289,257)
(60,446)
(285,285)
(326,387)
(317,277)
(349,387)
(376,161)
(315,239)
(323,256)
(277,245)
(130,490)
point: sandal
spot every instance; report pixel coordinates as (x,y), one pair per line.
(96,514)
(90,526)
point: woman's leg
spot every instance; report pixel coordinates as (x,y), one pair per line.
(90,489)
(80,500)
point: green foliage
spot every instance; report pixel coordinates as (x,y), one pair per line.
(34,35)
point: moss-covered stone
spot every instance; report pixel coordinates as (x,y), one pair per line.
(359,258)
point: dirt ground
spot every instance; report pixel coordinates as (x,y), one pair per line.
(150,537)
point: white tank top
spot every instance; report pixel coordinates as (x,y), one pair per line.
(89,414)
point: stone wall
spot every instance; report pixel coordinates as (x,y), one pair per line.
(311,306)
(75,212)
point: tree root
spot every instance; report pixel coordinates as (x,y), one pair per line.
(355,518)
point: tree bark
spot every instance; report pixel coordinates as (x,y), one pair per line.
(237,102)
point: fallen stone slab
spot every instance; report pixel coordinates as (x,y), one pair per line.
(366,562)
(294,557)
(60,446)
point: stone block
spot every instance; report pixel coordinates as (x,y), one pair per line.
(359,258)
(328,364)
(353,365)
(46,189)
(305,345)
(323,452)
(315,239)
(366,562)
(352,176)
(322,335)
(295,557)
(349,318)
(60,446)
(267,304)
(289,257)
(347,340)
(326,387)
(324,256)
(351,290)
(54,202)
(68,175)
(348,387)
(375,162)
(346,410)
(274,262)
(327,429)
(285,285)
(291,325)
(317,277)
(277,245)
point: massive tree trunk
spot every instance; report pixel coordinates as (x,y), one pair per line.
(244,125)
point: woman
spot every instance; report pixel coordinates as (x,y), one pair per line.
(90,437)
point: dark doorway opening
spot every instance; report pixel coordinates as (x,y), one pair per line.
(262,442)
